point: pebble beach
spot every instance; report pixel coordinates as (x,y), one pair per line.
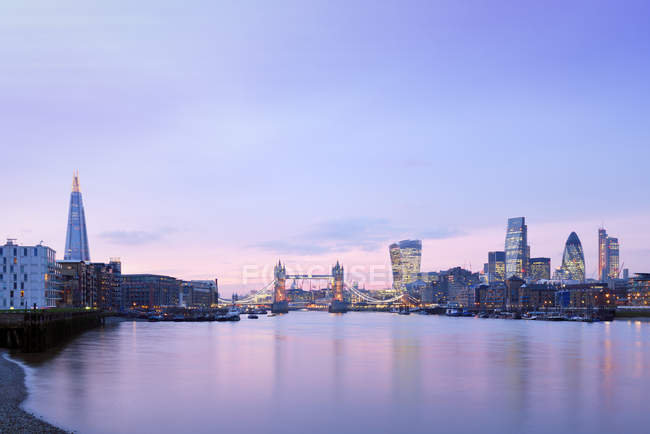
(13,419)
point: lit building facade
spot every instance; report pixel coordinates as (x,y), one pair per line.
(608,256)
(150,290)
(406,258)
(29,275)
(639,292)
(76,239)
(516,248)
(540,268)
(496,267)
(573,259)
(613,266)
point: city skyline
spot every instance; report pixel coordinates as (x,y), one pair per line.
(311,133)
(405,256)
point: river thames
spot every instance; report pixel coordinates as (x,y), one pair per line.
(314,372)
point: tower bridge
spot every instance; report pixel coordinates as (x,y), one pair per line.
(276,289)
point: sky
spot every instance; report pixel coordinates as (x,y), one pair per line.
(214,138)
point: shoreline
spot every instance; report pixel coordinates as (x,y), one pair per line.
(14,391)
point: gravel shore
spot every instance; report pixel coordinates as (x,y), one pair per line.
(14,419)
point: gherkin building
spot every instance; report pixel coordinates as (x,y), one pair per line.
(573,259)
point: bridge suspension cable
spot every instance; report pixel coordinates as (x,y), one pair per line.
(372,299)
(266,290)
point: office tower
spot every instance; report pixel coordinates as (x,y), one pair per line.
(573,259)
(602,254)
(496,267)
(608,256)
(516,248)
(76,240)
(405,258)
(540,268)
(29,275)
(613,266)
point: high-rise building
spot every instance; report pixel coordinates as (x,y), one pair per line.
(29,275)
(602,254)
(540,268)
(76,240)
(573,259)
(608,256)
(405,257)
(516,248)
(613,266)
(496,267)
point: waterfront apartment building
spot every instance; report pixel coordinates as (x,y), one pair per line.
(489,297)
(150,291)
(516,248)
(540,269)
(608,256)
(496,267)
(639,292)
(573,260)
(29,276)
(406,258)
(587,295)
(204,293)
(92,285)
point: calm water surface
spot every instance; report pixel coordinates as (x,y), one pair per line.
(312,372)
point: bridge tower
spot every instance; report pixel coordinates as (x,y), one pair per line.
(338,304)
(280,303)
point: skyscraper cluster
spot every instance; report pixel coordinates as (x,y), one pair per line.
(517,261)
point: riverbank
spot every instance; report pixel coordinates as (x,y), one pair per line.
(12,417)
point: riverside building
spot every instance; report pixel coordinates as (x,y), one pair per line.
(29,276)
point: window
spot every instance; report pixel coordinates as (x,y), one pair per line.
(25,279)
(25,251)
(35,251)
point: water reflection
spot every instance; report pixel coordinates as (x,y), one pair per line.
(325,373)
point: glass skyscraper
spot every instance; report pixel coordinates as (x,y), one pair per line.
(613,266)
(76,239)
(496,267)
(517,248)
(405,258)
(573,259)
(608,256)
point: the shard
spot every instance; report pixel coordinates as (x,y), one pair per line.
(76,239)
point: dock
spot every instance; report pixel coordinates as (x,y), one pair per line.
(34,331)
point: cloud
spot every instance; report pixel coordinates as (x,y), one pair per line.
(366,234)
(135,238)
